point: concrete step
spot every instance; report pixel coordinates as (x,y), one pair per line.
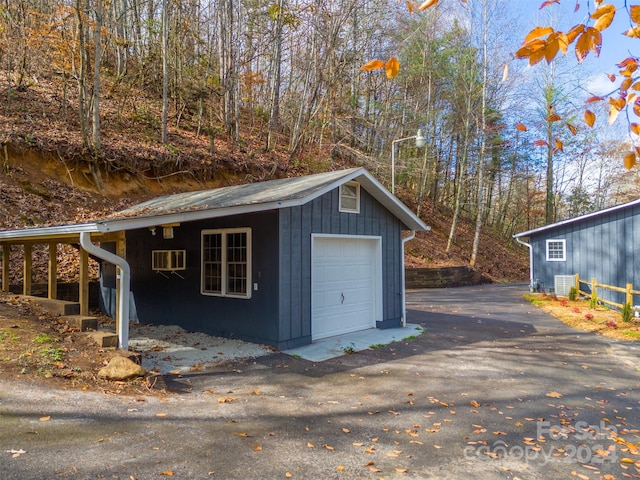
(81,322)
(105,339)
(58,307)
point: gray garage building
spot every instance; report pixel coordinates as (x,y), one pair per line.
(282,262)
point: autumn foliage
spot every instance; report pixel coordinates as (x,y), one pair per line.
(546,43)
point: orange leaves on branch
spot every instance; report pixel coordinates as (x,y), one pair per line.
(391,67)
(590,40)
(372,65)
(546,42)
(540,143)
(629,160)
(589,118)
(603,16)
(427,4)
(521,127)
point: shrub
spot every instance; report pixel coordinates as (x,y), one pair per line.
(627,313)
(573,294)
(589,316)
(575,310)
(612,324)
(564,303)
(593,303)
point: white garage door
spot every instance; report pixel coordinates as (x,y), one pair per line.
(346,284)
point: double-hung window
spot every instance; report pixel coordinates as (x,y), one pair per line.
(556,250)
(226,262)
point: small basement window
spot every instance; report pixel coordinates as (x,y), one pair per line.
(556,250)
(168,260)
(350,197)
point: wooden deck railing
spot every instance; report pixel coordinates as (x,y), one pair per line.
(594,285)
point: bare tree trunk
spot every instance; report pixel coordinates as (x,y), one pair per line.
(165,70)
(82,75)
(483,135)
(97,39)
(276,69)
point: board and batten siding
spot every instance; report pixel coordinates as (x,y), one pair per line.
(322,216)
(602,246)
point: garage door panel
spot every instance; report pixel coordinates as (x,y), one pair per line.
(344,282)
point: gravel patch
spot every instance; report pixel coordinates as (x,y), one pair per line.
(172,349)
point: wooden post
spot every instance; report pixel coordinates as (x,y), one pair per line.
(53,270)
(594,292)
(83,282)
(629,295)
(27,269)
(577,286)
(6,252)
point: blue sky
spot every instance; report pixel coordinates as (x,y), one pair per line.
(615,45)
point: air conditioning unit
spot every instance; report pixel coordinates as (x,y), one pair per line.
(562,284)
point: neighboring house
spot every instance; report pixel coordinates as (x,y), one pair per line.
(602,244)
(282,262)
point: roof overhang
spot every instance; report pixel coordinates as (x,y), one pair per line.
(108,226)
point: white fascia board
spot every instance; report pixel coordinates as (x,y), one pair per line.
(58,230)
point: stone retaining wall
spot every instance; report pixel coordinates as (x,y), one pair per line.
(442,277)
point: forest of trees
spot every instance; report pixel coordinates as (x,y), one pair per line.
(289,72)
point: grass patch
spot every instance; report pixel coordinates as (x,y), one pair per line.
(53,354)
(43,338)
(375,346)
(8,336)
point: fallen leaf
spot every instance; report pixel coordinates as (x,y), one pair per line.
(226,399)
(554,395)
(168,473)
(402,470)
(45,419)
(257,448)
(340,468)
(474,403)
(375,470)
(310,445)
(328,447)
(161,414)
(288,474)
(346,430)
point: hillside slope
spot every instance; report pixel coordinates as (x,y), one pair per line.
(48,177)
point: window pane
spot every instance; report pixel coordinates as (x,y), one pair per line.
(212,263)
(237,263)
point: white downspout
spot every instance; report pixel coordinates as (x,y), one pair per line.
(125,281)
(530,247)
(404,293)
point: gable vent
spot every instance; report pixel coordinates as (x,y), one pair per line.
(562,284)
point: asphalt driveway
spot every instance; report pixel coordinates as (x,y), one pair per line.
(494,388)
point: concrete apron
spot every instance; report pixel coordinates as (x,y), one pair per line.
(333,347)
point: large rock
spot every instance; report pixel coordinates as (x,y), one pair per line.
(121,368)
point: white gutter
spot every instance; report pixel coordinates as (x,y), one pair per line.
(125,282)
(411,236)
(530,247)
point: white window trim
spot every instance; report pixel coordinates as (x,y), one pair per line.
(224,232)
(170,255)
(564,250)
(341,208)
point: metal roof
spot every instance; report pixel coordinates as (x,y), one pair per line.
(551,226)
(226,201)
